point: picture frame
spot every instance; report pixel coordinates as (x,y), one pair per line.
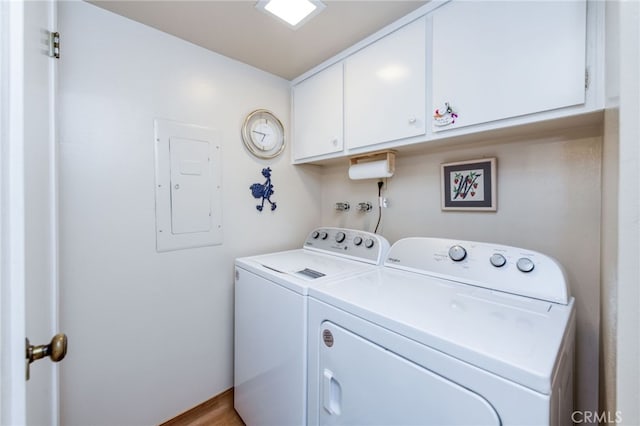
(469,185)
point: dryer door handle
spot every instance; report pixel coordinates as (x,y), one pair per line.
(331,393)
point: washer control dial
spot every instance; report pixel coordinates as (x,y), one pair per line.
(357,241)
(525,264)
(498,260)
(323,235)
(457,253)
(340,236)
(315,235)
(369,243)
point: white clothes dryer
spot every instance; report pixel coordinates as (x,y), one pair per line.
(446,333)
(270,369)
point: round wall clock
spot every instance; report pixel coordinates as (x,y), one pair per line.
(263,134)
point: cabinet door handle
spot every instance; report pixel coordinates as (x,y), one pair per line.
(412,120)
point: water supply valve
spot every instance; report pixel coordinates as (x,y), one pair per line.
(365,207)
(343,206)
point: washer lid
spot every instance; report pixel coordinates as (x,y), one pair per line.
(300,269)
(511,336)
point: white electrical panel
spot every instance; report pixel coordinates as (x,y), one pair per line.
(188,186)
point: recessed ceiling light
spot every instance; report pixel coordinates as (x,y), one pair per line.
(293,12)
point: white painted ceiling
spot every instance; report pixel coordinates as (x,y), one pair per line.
(236,29)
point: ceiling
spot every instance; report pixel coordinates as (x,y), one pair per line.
(236,29)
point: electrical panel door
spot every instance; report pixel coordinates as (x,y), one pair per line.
(188,186)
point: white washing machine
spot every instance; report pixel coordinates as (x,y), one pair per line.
(270,370)
(446,333)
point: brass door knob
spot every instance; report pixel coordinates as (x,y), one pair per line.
(56,350)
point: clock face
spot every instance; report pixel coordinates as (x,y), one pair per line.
(263,134)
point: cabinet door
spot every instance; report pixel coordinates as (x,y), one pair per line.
(499,59)
(317,114)
(385,88)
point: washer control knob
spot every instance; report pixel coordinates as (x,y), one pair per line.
(315,235)
(357,241)
(497,260)
(369,243)
(525,264)
(457,253)
(340,236)
(323,235)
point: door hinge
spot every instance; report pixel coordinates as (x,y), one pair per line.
(586,79)
(54,45)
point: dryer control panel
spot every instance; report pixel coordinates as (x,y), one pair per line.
(359,245)
(497,267)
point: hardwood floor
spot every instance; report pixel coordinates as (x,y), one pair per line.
(216,411)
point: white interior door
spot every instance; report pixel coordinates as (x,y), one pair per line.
(29,222)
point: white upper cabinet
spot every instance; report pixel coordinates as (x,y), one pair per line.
(317,114)
(384,88)
(454,68)
(492,60)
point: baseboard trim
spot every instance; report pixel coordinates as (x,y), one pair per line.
(221,401)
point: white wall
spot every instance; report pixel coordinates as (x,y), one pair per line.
(610,197)
(627,297)
(151,334)
(548,200)
(621,209)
